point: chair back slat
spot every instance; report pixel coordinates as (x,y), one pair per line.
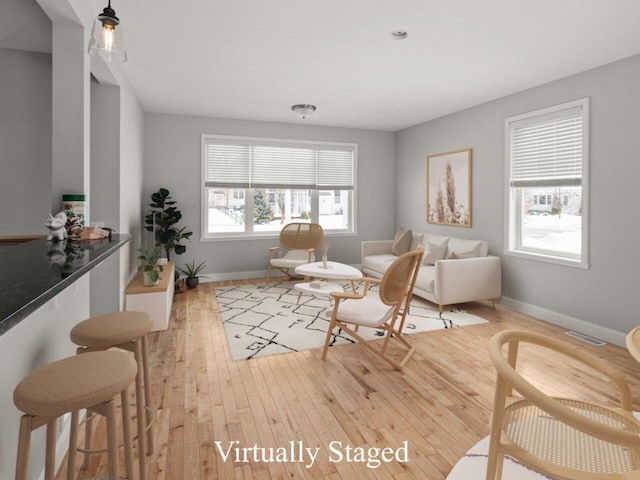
(399,278)
(301,236)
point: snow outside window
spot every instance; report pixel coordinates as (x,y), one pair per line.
(547,158)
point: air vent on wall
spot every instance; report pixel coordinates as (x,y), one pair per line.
(586,338)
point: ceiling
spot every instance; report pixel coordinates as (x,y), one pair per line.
(253,59)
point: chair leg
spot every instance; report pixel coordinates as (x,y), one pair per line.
(141,415)
(126,432)
(269,273)
(24,444)
(147,395)
(88,428)
(50,455)
(73,439)
(112,442)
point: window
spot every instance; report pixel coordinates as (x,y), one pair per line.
(547,159)
(255,186)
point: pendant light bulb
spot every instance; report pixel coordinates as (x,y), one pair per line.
(107,41)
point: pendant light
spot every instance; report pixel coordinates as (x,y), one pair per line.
(106,41)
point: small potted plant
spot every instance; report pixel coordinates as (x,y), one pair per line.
(191,271)
(149,265)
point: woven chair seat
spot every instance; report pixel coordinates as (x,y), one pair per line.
(540,434)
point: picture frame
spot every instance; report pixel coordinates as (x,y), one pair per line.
(449,188)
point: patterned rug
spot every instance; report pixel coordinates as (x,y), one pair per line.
(262,320)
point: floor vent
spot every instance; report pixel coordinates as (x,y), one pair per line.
(586,338)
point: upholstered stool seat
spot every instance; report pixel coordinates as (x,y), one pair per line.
(68,385)
(128,331)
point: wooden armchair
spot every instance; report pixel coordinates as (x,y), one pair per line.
(299,241)
(559,437)
(384,311)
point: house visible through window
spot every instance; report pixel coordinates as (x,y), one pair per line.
(547,160)
(255,186)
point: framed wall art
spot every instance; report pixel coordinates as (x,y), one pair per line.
(449,188)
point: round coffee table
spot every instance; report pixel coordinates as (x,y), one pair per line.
(333,271)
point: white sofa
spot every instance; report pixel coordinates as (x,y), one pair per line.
(467,273)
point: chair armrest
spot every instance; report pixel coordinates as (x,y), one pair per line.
(274,248)
(344,295)
(376,247)
(468,279)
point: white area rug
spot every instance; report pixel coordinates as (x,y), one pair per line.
(261,320)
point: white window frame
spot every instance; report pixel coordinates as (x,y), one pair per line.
(513,197)
(249,233)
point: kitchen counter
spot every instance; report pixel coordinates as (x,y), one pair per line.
(31,273)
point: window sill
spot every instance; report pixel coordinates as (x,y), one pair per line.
(568,262)
(267,236)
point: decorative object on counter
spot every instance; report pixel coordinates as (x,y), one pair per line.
(191,271)
(74,208)
(149,265)
(162,222)
(325,250)
(95,233)
(56,226)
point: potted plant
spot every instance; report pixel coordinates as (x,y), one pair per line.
(149,265)
(191,271)
(163,221)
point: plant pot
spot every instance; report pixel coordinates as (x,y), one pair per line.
(147,281)
(192,282)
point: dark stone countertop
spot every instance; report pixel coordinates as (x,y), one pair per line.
(31,273)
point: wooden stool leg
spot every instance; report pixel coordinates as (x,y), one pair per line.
(87,438)
(73,440)
(140,410)
(24,443)
(126,431)
(112,441)
(50,455)
(147,395)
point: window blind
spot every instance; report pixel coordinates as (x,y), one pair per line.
(548,151)
(269,164)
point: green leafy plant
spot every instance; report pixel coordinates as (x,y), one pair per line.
(163,220)
(149,262)
(190,269)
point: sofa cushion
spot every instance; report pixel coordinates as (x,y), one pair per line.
(402,242)
(426,277)
(463,248)
(433,253)
(416,241)
(379,263)
(435,239)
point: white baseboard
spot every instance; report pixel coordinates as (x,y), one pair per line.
(601,333)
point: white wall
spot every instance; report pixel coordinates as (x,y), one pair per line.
(40,338)
(601,295)
(172,160)
(25,141)
(131,193)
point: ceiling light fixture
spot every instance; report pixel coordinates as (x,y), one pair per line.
(399,34)
(105,41)
(303,110)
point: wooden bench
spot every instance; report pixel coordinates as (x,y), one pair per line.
(156,300)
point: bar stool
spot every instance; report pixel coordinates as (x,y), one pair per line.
(92,381)
(128,331)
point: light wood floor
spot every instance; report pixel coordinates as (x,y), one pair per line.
(439,404)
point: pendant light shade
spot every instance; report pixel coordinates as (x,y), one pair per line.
(107,40)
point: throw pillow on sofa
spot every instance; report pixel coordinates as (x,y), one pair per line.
(402,242)
(474,252)
(434,252)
